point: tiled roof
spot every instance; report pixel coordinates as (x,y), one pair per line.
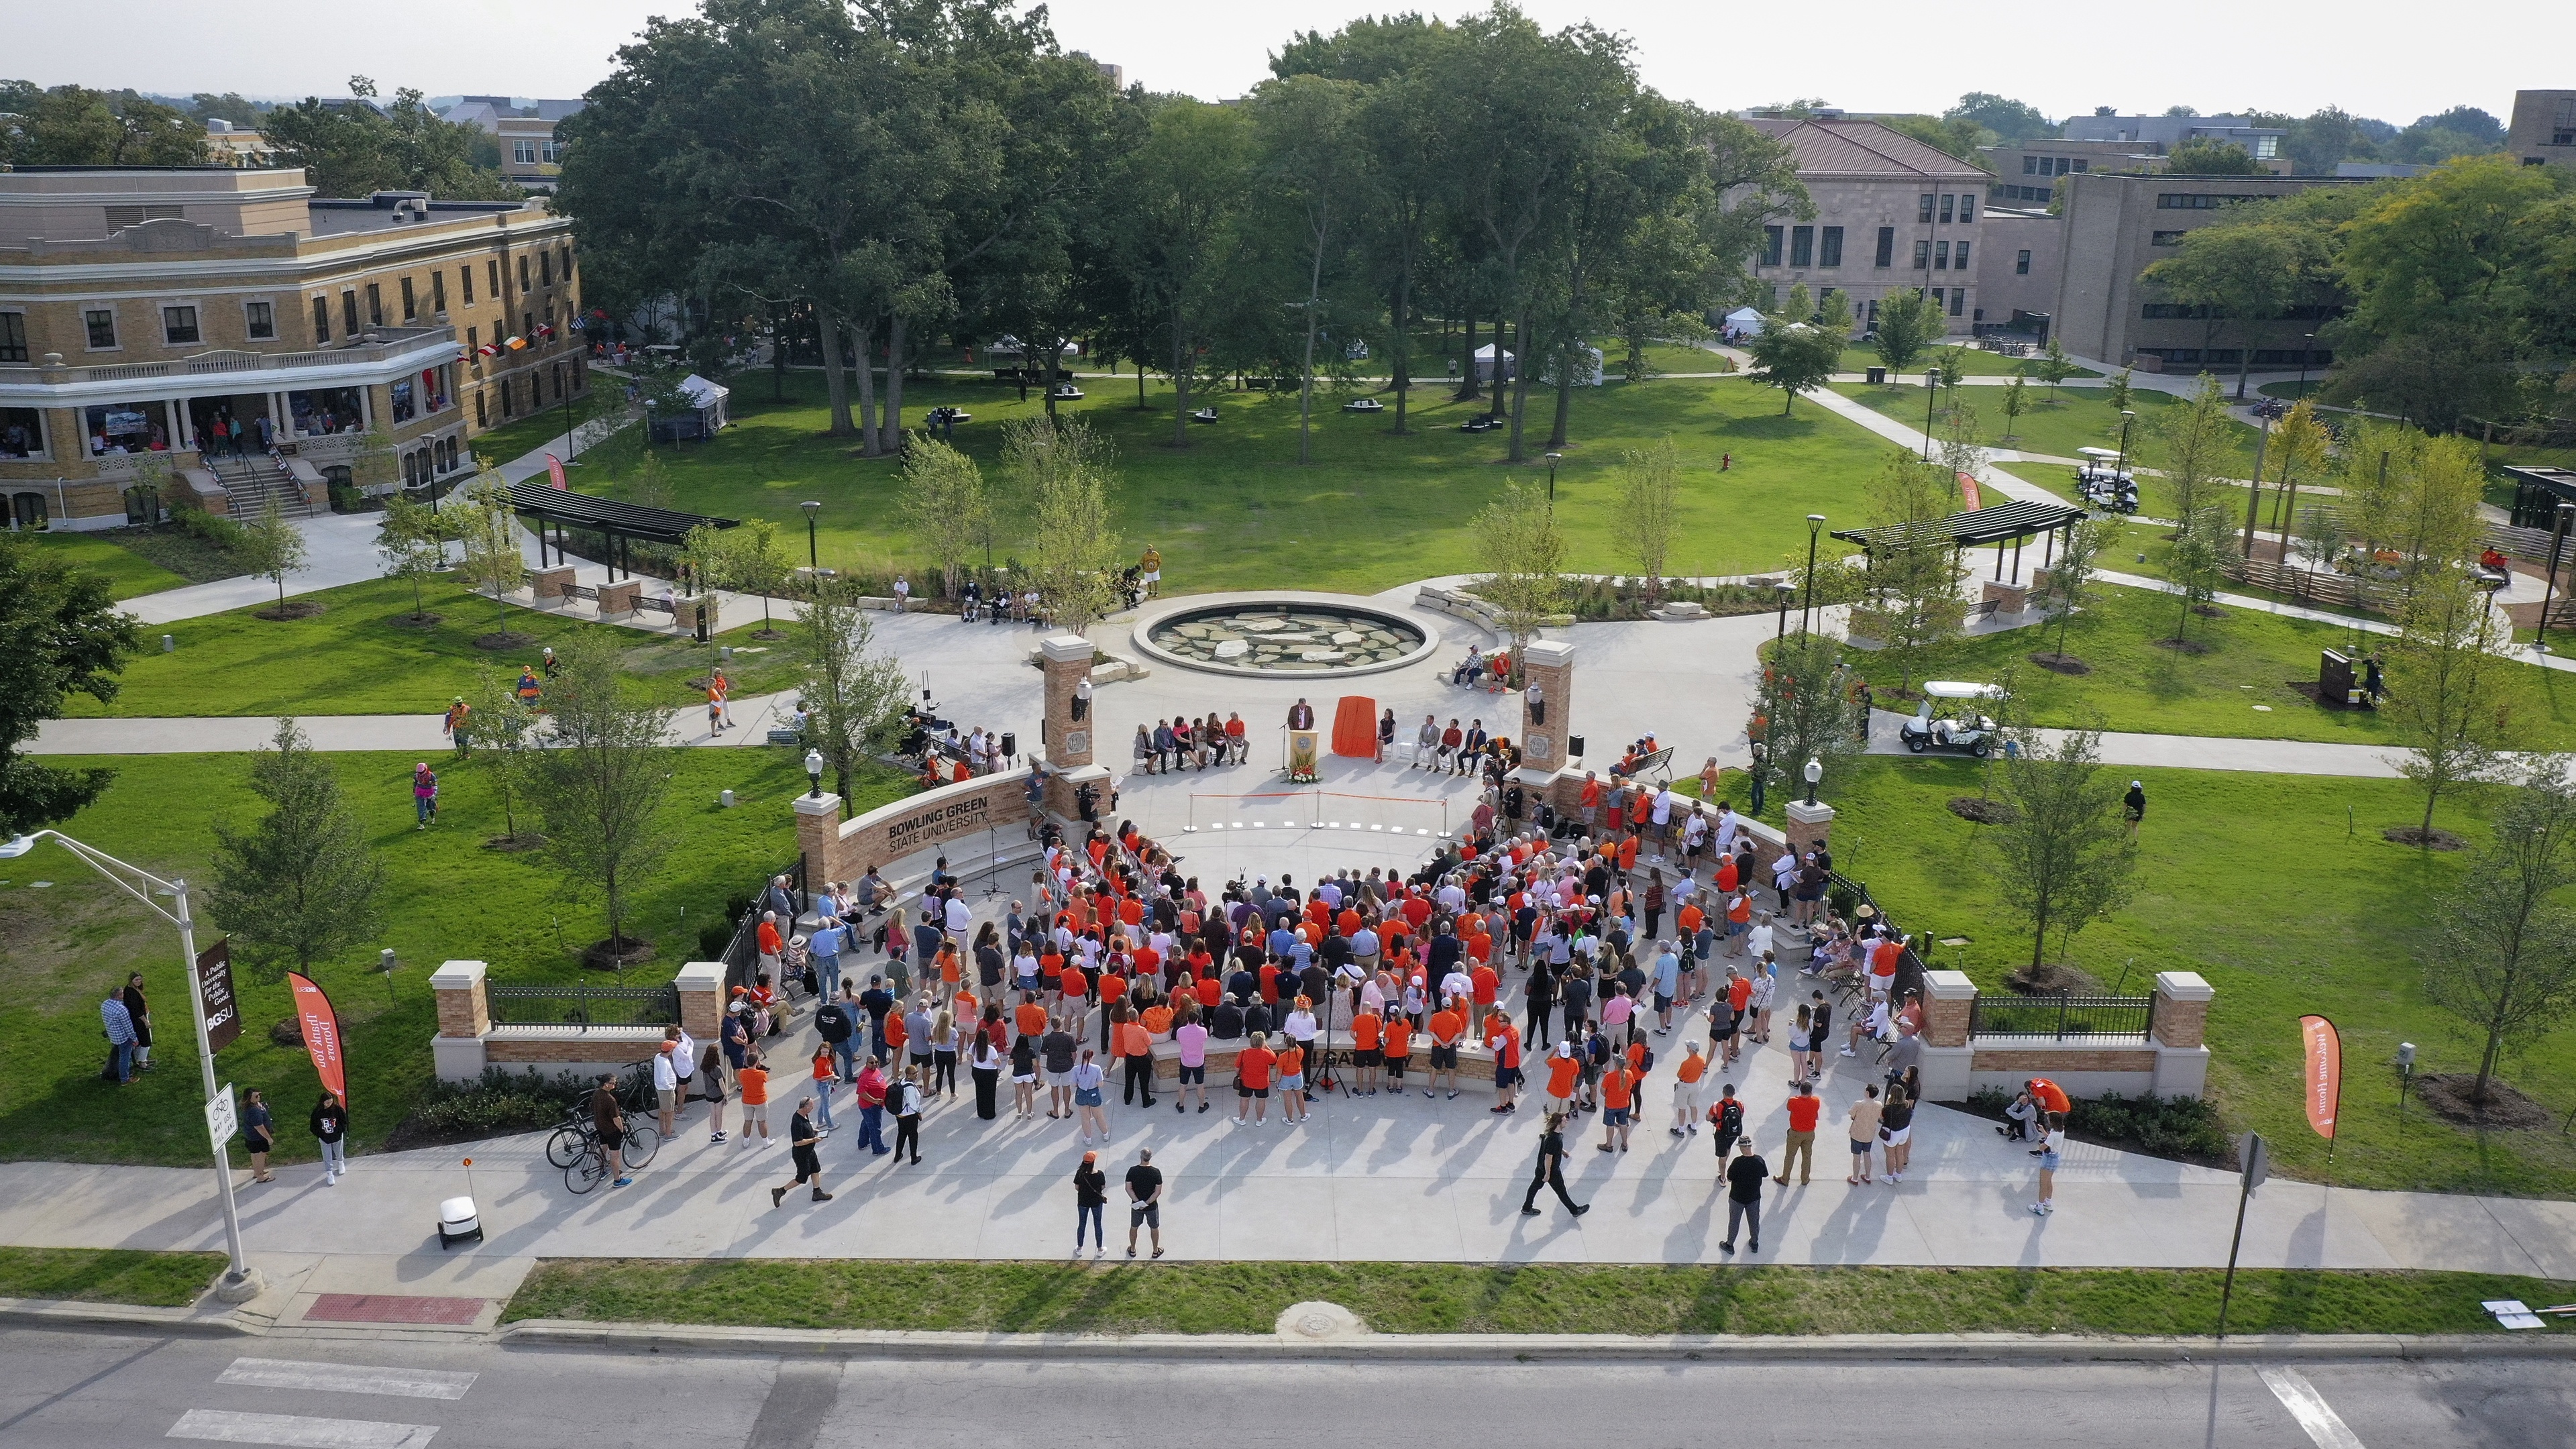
(1860,148)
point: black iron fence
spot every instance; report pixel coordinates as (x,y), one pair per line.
(1848,897)
(2066,1017)
(742,953)
(585,1006)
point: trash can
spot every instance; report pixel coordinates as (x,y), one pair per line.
(1877,376)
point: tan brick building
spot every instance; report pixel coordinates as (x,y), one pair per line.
(2544,128)
(1890,212)
(207,315)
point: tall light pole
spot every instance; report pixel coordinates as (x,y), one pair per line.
(240,1283)
(1551,478)
(1815,525)
(2565,513)
(2127,417)
(1931,404)
(813,558)
(2304,349)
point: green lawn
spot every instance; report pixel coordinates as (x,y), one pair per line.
(129,574)
(2140,684)
(362,656)
(1477,1298)
(1235,511)
(107,1275)
(2082,418)
(1974,361)
(506,442)
(446,896)
(2281,891)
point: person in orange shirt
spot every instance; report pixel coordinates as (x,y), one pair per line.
(1484,986)
(1627,855)
(1618,1104)
(753,1081)
(824,1077)
(950,971)
(1506,1044)
(1252,1067)
(1073,994)
(1447,1025)
(1564,1072)
(1136,1049)
(1397,1048)
(1028,1018)
(1368,1051)
(1158,1021)
(1686,1080)
(1292,1083)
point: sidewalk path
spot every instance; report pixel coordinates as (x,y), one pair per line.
(340,548)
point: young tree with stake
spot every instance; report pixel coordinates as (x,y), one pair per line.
(272,548)
(2503,953)
(600,784)
(2063,859)
(301,885)
(1649,508)
(1524,557)
(853,698)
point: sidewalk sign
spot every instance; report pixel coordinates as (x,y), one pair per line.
(221,1121)
(2253,1164)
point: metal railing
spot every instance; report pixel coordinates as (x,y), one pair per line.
(742,954)
(2065,1017)
(1909,967)
(391,342)
(585,1006)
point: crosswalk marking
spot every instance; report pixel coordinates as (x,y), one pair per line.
(2310,1408)
(279,1373)
(298,1432)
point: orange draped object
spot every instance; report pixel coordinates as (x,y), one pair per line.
(1355,728)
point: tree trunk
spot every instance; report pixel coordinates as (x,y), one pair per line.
(1306,388)
(836,381)
(1403,361)
(777,371)
(863,338)
(1467,370)
(890,434)
(1180,381)
(1564,396)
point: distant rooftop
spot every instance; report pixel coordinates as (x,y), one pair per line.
(385,210)
(1836,145)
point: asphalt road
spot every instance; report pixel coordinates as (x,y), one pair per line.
(78,1390)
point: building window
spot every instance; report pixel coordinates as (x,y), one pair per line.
(1949,202)
(411,309)
(2030,166)
(375,305)
(1922,256)
(524,152)
(523,271)
(1968,206)
(1802,246)
(13,336)
(2082,166)
(473,344)
(2195,201)
(1938,293)
(465,279)
(259,321)
(481,419)
(1887,246)
(1771,246)
(349,312)
(1958,301)
(2165,238)
(22,430)
(101,322)
(492,274)
(2021,264)
(566,267)
(545,269)
(1829,247)
(1923,211)
(321,320)
(438,291)
(1963,255)
(528,327)
(1940,256)
(2267,147)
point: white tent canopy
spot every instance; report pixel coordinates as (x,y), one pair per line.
(1746,320)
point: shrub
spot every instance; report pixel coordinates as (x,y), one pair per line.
(209,528)
(497,1103)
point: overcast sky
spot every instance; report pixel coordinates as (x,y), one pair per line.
(2375,60)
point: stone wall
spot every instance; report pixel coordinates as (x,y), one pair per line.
(837,850)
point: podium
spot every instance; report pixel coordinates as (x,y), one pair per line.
(1303,753)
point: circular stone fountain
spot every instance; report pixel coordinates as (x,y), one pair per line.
(1284,634)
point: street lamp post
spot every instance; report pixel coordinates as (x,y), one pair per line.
(2304,349)
(1931,404)
(2566,513)
(1814,772)
(2127,417)
(1806,610)
(1552,459)
(240,1282)
(813,557)
(814,773)
(1786,591)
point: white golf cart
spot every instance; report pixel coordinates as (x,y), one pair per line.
(1963,729)
(2105,484)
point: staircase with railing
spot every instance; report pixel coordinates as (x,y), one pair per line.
(255,484)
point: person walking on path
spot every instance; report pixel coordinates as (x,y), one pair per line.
(1726,1122)
(1252,1069)
(2052,1149)
(987,1065)
(1088,1109)
(1744,1196)
(871,1089)
(711,1070)
(1549,1171)
(259,1134)
(801,1138)
(1804,1108)
(424,795)
(1024,1075)
(666,1079)
(1145,1201)
(1619,1086)
(454,725)
(1864,1134)
(2133,806)
(119,1025)
(907,1116)
(1192,1038)
(754,1081)
(822,1098)
(330,1128)
(1090,1201)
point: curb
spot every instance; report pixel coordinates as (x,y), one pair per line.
(1531,1348)
(65,1313)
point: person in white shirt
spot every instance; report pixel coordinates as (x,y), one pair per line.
(1663,808)
(1694,834)
(1727,825)
(960,917)
(1757,942)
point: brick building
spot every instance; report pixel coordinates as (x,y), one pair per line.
(195,314)
(1890,212)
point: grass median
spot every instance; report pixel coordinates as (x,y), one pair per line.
(107,1275)
(1010,1297)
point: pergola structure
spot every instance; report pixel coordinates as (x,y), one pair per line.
(618,522)
(2015,523)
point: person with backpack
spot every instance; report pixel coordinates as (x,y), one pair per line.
(1726,1122)
(424,795)
(836,1021)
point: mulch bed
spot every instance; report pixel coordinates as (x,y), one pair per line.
(2209,611)
(2066,664)
(2434,839)
(287,1033)
(511,844)
(2183,646)
(291,609)
(2447,1093)
(2050,978)
(416,621)
(1983,812)
(506,639)
(617,955)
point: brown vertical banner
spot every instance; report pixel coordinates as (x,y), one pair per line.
(215,990)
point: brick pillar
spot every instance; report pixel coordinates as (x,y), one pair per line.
(1808,824)
(818,839)
(617,600)
(701,986)
(1067,742)
(2182,1008)
(464,1018)
(1547,668)
(1952,1003)
(548,585)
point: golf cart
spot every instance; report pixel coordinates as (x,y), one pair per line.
(1963,731)
(1363,405)
(2104,483)
(1480,423)
(1203,415)
(1067,392)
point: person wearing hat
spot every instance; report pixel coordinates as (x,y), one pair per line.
(424,795)
(454,726)
(2133,805)
(1090,1201)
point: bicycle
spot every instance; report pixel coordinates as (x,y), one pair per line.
(576,1138)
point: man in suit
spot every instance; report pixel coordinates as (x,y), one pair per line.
(1301,715)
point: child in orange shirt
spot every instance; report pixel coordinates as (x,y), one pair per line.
(1292,1083)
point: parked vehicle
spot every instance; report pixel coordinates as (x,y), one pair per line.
(1964,730)
(1363,405)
